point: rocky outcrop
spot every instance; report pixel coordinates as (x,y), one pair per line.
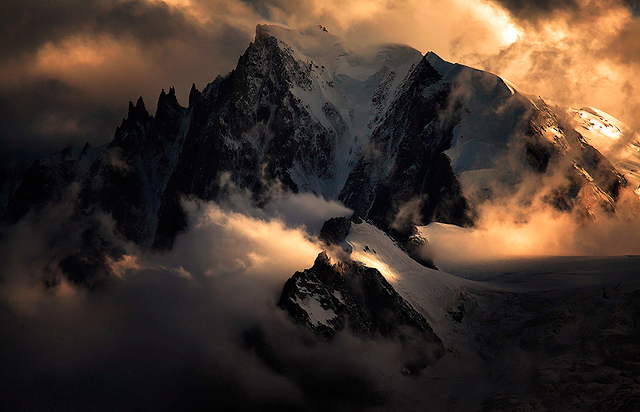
(336,229)
(329,298)
(406,163)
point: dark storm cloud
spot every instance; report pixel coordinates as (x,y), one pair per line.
(532,10)
(634,6)
(536,9)
(42,117)
(26,25)
(45,110)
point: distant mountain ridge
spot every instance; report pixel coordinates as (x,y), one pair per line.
(400,138)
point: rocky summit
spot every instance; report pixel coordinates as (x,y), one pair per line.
(330,297)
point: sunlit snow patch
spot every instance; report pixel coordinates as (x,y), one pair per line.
(317,314)
(427,290)
(596,122)
(616,141)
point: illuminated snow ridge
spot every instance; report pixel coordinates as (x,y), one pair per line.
(592,121)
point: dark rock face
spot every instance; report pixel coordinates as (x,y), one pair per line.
(406,163)
(129,177)
(39,185)
(249,129)
(335,230)
(43,182)
(414,246)
(590,177)
(329,298)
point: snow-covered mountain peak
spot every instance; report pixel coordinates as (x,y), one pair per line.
(311,43)
(332,59)
(398,138)
(503,132)
(345,92)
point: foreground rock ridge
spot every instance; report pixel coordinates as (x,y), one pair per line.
(328,298)
(332,297)
(530,340)
(400,138)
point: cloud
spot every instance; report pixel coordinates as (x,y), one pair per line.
(69,69)
(535,10)
(193,327)
(305,209)
(229,243)
(579,53)
(519,222)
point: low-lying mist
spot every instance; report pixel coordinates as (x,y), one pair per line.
(197,327)
(190,329)
(508,227)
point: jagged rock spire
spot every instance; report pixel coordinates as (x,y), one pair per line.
(138,112)
(194,95)
(167,102)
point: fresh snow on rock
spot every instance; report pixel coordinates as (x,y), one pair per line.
(343,82)
(615,140)
(317,314)
(427,290)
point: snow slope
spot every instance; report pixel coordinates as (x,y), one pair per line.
(343,81)
(427,290)
(498,121)
(615,140)
(493,113)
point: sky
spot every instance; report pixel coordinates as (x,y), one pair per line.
(69,67)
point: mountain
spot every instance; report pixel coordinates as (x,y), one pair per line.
(400,138)
(403,140)
(329,297)
(375,289)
